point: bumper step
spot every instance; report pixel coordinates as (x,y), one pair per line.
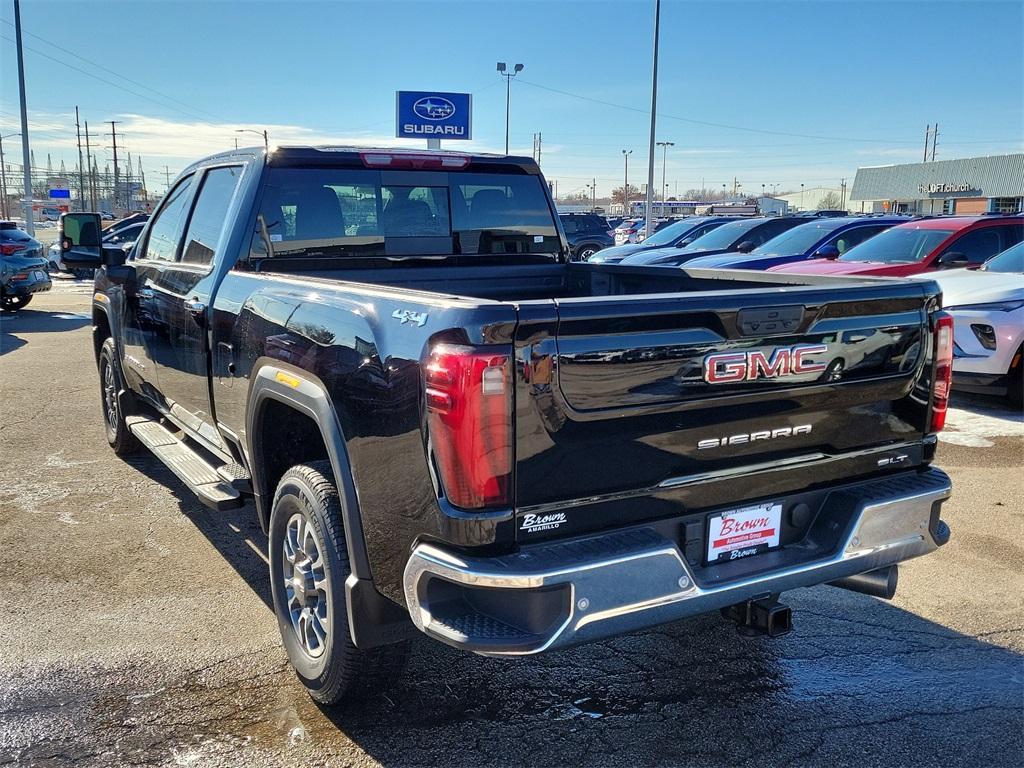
(204,480)
(560,593)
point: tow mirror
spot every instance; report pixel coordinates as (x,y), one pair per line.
(952,260)
(80,246)
(746,246)
(827,252)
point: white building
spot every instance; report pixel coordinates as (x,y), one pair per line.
(809,199)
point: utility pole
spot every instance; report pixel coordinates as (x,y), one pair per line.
(81,170)
(167,179)
(113,136)
(649,213)
(927,133)
(625,182)
(842,188)
(593,195)
(92,178)
(935,136)
(3,179)
(26,160)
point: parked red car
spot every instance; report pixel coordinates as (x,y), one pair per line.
(921,246)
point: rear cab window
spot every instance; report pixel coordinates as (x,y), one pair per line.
(351,212)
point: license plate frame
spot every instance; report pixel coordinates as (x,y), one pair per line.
(754,530)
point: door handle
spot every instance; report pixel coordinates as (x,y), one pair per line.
(195,307)
(144,293)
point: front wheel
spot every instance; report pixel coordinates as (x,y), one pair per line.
(308,567)
(14,303)
(1015,380)
(119,436)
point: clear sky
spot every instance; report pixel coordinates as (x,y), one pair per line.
(771,92)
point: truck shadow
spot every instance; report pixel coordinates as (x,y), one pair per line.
(27,321)
(859,680)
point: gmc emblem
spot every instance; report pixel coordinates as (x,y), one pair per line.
(723,367)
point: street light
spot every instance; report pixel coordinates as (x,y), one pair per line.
(664,159)
(263,133)
(801,197)
(625,182)
(3,175)
(503,71)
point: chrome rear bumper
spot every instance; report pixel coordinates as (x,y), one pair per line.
(565,592)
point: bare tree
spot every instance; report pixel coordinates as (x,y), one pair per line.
(830,202)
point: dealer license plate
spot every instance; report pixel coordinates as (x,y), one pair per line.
(37,275)
(743,532)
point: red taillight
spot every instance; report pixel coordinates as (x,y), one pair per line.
(943,381)
(9,249)
(469,416)
(417,160)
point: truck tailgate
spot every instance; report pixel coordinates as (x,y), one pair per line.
(632,408)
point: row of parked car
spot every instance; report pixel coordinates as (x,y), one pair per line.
(25,270)
(977,260)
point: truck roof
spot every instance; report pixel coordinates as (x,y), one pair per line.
(356,156)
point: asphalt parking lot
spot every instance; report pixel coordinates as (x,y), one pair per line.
(135,628)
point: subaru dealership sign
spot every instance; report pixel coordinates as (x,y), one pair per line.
(431,115)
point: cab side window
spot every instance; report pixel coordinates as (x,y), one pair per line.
(165,231)
(209,214)
(978,246)
(855,236)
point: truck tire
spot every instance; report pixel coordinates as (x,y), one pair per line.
(308,568)
(119,436)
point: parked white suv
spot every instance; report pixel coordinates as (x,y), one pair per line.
(987,306)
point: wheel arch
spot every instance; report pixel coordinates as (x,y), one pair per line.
(281,391)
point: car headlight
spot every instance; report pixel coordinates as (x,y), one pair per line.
(998,306)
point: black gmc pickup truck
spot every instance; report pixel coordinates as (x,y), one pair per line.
(446,425)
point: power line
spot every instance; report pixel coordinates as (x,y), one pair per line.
(708,123)
(112,72)
(110,82)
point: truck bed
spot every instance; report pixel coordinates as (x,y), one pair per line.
(529,282)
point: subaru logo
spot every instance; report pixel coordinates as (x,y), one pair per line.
(434,108)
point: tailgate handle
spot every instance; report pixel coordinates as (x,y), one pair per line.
(769,320)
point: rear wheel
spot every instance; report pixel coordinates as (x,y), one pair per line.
(587,250)
(14,303)
(308,567)
(119,436)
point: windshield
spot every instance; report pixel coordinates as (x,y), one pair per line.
(799,239)
(899,245)
(671,233)
(723,236)
(1010,260)
(320,212)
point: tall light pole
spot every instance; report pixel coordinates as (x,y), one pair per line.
(801,196)
(26,159)
(3,175)
(263,133)
(649,214)
(625,182)
(503,71)
(664,161)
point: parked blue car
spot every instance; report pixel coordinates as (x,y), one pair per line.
(820,238)
(677,234)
